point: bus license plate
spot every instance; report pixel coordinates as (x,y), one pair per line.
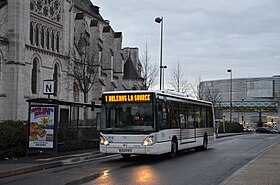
(125,150)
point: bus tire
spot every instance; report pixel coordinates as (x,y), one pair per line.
(174,148)
(205,143)
(126,156)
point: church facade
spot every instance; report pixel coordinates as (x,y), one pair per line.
(45,40)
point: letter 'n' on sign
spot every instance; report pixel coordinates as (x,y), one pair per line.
(48,87)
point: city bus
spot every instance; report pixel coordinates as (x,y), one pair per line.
(144,122)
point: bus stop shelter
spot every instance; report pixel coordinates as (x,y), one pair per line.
(58,125)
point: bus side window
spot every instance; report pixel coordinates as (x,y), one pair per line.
(182,121)
(203,117)
(190,118)
(183,112)
(210,117)
(173,115)
(161,115)
(197,117)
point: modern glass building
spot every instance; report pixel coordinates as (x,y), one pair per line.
(250,100)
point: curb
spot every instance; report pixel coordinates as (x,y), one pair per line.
(49,165)
(29,169)
(232,134)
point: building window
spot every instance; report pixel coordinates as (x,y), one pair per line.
(42,37)
(57,41)
(140,70)
(75,93)
(34,75)
(48,39)
(52,41)
(56,78)
(37,35)
(31,33)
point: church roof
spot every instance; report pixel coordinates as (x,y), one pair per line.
(3,3)
(87,7)
(130,71)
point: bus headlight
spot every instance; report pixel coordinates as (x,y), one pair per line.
(149,140)
(104,140)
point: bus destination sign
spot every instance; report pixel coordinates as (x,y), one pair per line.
(128,98)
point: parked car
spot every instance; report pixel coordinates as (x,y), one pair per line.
(247,129)
(274,131)
(266,130)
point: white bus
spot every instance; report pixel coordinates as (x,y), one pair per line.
(152,123)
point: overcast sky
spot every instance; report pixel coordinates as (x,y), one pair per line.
(206,36)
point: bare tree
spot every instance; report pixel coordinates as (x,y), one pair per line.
(177,80)
(203,91)
(149,70)
(195,90)
(209,92)
(84,66)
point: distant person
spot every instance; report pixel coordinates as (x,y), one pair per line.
(217,125)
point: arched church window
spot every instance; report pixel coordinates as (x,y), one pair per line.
(48,39)
(42,37)
(75,93)
(52,40)
(139,69)
(57,41)
(34,75)
(37,35)
(56,78)
(31,33)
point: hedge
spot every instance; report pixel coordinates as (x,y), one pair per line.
(233,127)
(13,136)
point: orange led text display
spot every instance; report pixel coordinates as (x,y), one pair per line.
(128,98)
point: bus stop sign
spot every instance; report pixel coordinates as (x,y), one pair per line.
(48,87)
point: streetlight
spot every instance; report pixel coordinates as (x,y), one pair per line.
(160,20)
(230,97)
(163,67)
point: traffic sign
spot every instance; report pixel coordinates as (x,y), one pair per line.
(48,87)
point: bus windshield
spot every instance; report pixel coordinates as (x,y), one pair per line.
(127,117)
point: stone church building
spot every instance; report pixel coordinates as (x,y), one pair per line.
(44,39)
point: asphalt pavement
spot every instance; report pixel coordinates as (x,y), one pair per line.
(263,170)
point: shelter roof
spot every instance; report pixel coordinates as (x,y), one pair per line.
(60,102)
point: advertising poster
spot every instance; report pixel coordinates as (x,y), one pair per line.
(41,127)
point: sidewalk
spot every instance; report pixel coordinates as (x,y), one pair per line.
(35,162)
(263,170)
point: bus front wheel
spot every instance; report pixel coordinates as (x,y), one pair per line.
(174,149)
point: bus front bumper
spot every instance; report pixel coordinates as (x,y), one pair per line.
(137,149)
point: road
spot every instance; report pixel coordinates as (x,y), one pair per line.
(221,160)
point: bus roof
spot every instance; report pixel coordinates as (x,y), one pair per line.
(163,93)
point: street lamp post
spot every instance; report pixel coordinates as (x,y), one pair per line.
(230,97)
(160,20)
(163,68)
